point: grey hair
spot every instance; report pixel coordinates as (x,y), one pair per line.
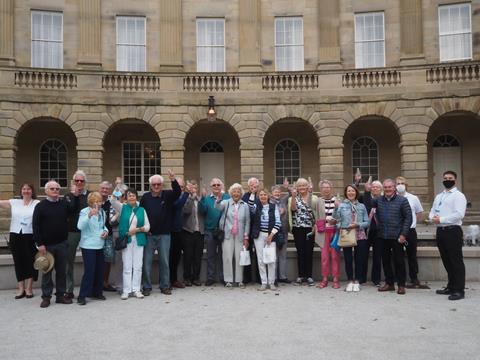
(379,183)
(234,187)
(81,173)
(389,181)
(301,181)
(252,179)
(325,182)
(51,182)
(106,183)
(275,187)
(153,177)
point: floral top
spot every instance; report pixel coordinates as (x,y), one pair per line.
(303,217)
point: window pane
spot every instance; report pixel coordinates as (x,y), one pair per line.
(210,45)
(369,40)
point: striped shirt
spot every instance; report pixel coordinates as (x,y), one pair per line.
(329,206)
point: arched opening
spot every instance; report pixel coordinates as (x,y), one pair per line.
(132,151)
(290,149)
(212,149)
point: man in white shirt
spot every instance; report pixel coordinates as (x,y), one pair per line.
(417,215)
(447,212)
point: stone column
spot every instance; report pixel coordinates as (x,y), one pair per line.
(329,37)
(90,51)
(8,154)
(171,35)
(250,35)
(411,32)
(172,157)
(414,167)
(90,160)
(331,165)
(7,56)
(251,159)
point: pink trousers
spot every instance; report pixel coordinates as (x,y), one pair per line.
(330,256)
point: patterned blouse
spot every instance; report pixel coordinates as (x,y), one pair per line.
(303,217)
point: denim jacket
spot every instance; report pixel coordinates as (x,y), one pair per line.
(343,214)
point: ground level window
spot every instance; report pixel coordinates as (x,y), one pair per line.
(140,161)
(287,161)
(365,158)
(53,162)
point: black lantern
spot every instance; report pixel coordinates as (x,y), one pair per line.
(211,114)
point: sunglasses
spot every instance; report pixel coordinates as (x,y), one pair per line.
(157,184)
(54,189)
(216,185)
(78,180)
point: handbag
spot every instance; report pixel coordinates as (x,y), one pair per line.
(122,241)
(269,254)
(219,234)
(244,257)
(348,238)
(321,223)
(279,239)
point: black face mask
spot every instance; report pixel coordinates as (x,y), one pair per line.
(449,183)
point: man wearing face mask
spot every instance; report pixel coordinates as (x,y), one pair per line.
(417,215)
(447,212)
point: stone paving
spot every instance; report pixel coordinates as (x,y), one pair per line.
(217,323)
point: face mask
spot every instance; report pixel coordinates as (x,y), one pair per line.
(401,188)
(448,183)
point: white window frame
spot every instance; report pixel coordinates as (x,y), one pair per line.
(145,187)
(126,44)
(275,160)
(206,19)
(357,66)
(32,39)
(40,164)
(354,168)
(441,55)
(289,46)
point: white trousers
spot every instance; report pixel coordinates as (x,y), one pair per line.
(260,243)
(231,247)
(132,257)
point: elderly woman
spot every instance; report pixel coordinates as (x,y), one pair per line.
(302,205)
(21,239)
(91,222)
(265,225)
(330,256)
(352,215)
(281,202)
(235,222)
(133,223)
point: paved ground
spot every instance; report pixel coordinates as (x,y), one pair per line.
(217,323)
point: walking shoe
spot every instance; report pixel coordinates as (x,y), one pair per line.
(146,292)
(336,284)
(273,287)
(349,287)
(444,291)
(124,296)
(45,303)
(166,291)
(386,287)
(241,285)
(401,290)
(99,297)
(229,285)
(209,283)
(377,283)
(298,281)
(263,287)
(196,283)
(188,283)
(63,300)
(456,296)
(81,301)
(310,282)
(179,285)
(356,287)
(109,288)
(139,295)
(284,281)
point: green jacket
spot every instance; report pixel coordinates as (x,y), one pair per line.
(124,223)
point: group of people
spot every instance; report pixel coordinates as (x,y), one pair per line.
(233,226)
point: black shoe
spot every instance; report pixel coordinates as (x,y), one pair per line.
(99,297)
(209,283)
(284,281)
(109,288)
(63,300)
(45,303)
(457,295)
(81,301)
(21,296)
(196,283)
(188,283)
(146,292)
(444,291)
(69,295)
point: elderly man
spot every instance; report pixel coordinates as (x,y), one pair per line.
(50,232)
(78,196)
(212,217)
(417,215)
(251,198)
(447,213)
(394,218)
(105,189)
(158,204)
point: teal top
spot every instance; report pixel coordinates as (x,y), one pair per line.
(91,229)
(124,223)
(212,215)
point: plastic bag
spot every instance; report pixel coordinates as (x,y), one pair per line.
(245,257)
(269,254)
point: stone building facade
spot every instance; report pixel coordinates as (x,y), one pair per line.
(414,116)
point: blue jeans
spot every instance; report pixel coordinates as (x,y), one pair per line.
(161,243)
(93,270)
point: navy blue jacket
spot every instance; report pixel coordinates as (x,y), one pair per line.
(177,222)
(394,216)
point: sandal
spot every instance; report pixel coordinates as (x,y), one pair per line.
(336,284)
(323,284)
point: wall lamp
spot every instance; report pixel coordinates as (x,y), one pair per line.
(211,113)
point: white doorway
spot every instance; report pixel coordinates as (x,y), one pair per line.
(447,155)
(212,163)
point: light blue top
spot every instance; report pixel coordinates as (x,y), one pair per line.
(91,229)
(343,214)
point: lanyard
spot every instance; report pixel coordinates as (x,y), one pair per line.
(442,199)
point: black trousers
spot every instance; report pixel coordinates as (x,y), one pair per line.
(377,249)
(176,247)
(250,272)
(357,255)
(412,255)
(393,247)
(304,251)
(23,251)
(59,252)
(192,255)
(450,243)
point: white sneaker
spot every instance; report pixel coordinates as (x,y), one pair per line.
(139,295)
(349,287)
(356,287)
(273,287)
(262,288)
(124,296)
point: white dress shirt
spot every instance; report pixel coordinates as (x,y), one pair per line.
(450,206)
(416,207)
